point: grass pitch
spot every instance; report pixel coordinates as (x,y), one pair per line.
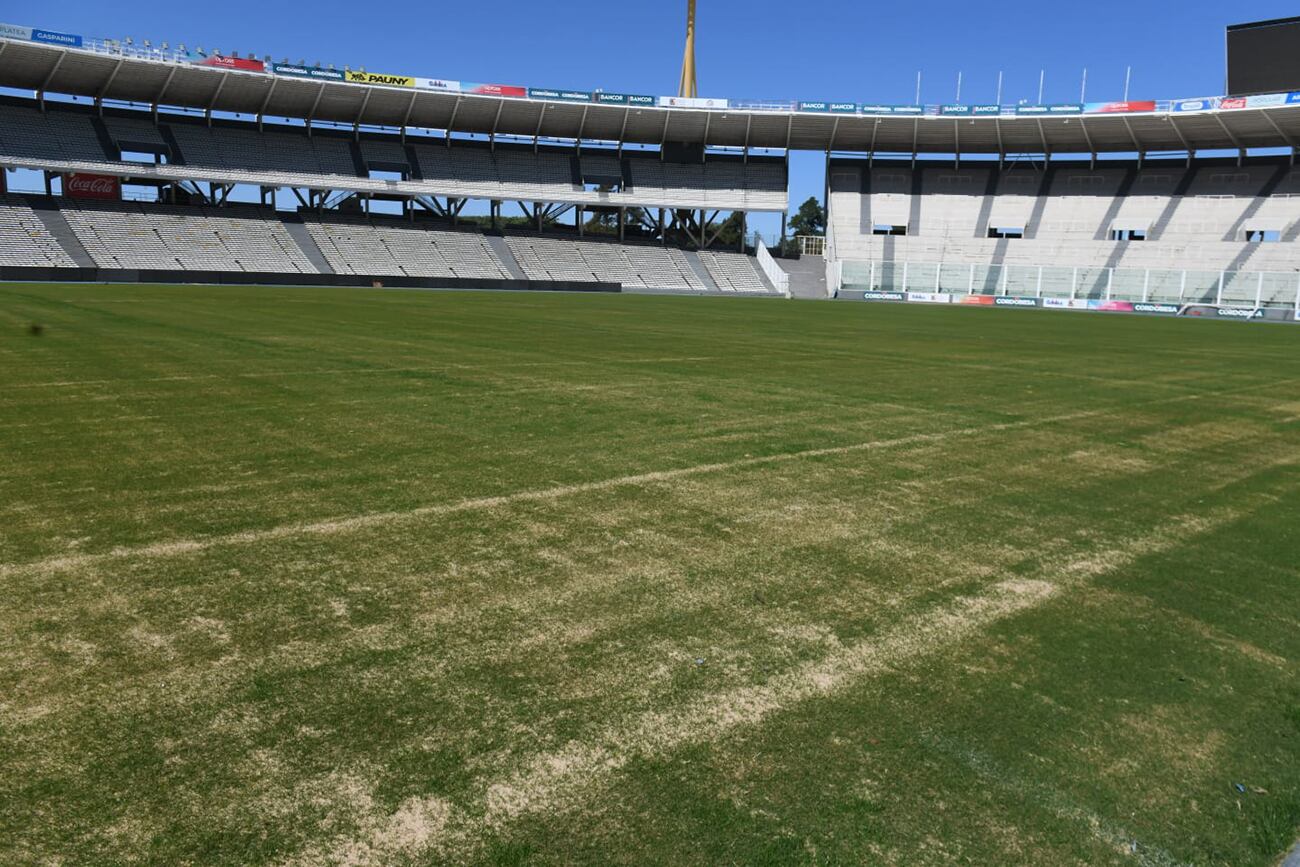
(332,576)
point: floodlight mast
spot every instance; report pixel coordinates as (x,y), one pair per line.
(687,87)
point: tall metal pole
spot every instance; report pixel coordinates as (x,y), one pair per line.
(687,87)
(1128,77)
(999,99)
(1042,75)
(958,99)
(1083,88)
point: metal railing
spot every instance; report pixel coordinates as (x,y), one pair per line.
(779,278)
(1259,289)
(810,245)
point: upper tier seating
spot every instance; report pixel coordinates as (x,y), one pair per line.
(65,138)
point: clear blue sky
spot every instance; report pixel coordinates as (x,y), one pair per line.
(814,49)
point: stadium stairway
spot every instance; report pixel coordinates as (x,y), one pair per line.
(297,230)
(807,276)
(507,257)
(693,258)
(48,210)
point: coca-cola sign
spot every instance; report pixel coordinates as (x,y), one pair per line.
(83,186)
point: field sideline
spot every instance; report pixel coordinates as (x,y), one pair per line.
(335,576)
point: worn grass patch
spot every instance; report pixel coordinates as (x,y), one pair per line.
(356,577)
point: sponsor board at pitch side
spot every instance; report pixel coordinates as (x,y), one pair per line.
(884,296)
(999,301)
(1239,312)
(929,297)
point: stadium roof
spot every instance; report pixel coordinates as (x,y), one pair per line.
(57,69)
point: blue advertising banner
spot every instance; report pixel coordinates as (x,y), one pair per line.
(958,110)
(814,106)
(1054,109)
(307,72)
(1207,104)
(68,40)
(986,110)
(877,108)
(844,108)
(561,95)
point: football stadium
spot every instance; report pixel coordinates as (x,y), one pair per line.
(409,471)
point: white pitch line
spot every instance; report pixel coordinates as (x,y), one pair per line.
(549,782)
(374,519)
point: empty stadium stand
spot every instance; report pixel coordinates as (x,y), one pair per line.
(162,237)
(355,245)
(24,239)
(1161,229)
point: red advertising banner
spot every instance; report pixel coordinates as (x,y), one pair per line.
(1120,107)
(83,186)
(978,300)
(245,64)
(494,89)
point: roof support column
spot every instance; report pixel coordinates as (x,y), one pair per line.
(40,91)
(455,110)
(492,139)
(410,107)
(311,115)
(261,111)
(163,92)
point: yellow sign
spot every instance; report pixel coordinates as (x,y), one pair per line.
(379,78)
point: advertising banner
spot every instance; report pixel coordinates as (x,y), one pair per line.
(559,95)
(883,296)
(1207,104)
(13,31)
(1057,303)
(624,99)
(1239,313)
(976,300)
(929,297)
(1267,100)
(68,40)
(843,108)
(379,78)
(1054,109)
(877,108)
(691,102)
(1156,309)
(84,186)
(986,110)
(1119,107)
(493,89)
(813,106)
(1113,306)
(243,64)
(956,110)
(438,84)
(307,72)
(1013,301)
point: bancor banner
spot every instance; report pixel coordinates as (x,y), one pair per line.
(86,186)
